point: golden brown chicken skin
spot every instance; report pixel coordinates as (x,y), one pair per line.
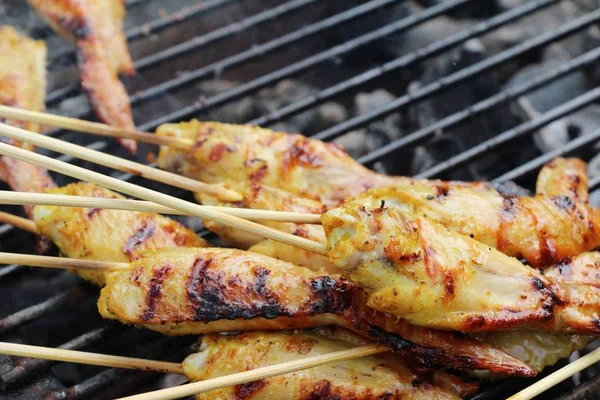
(96,27)
(564,177)
(108,235)
(542,229)
(381,376)
(431,276)
(292,162)
(194,291)
(540,349)
(22,85)
(261,197)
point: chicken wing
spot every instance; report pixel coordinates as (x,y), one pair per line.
(421,271)
(564,177)
(193,291)
(540,349)
(382,376)
(109,235)
(96,27)
(543,229)
(261,197)
(22,85)
(243,153)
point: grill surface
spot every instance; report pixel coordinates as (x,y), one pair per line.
(257,45)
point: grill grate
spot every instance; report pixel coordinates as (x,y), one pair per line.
(16,374)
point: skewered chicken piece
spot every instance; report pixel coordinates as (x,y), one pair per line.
(543,229)
(96,26)
(22,85)
(421,271)
(383,376)
(538,349)
(261,197)
(243,153)
(108,235)
(194,291)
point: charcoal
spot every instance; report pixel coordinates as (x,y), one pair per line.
(556,92)
(456,99)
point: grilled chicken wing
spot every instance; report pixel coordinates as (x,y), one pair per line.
(564,177)
(96,26)
(539,349)
(243,153)
(22,85)
(543,229)
(261,197)
(193,291)
(381,376)
(421,271)
(109,235)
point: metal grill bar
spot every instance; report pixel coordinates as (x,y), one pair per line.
(300,66)
(222,33)
(248,55)
(261,50)
(535,164)
(460,76)
(68,56)
(28,367)
(594,183)
(403,61)
(28,314)
(520,130)
(505,96)
(196,43)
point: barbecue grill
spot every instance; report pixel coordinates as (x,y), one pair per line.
(335,49)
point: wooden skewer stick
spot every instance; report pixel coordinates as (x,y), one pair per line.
(83,357)
(118,163)
(150,195)
(20,198)
(18,222)
(257,374)
(60,262)
(558,376)
(95,128)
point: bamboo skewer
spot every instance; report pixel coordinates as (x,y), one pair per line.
(83,357)
(258,374)
(118,163)
(21,198)
(60,262)
(95,128)
(105,360)
(18,222)
(150,195)
(558,376)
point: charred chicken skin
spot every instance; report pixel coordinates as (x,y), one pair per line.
(556,223)
(382,376)
(194,291)
(431,276)
(108,235)
(96,27)
(22,85)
